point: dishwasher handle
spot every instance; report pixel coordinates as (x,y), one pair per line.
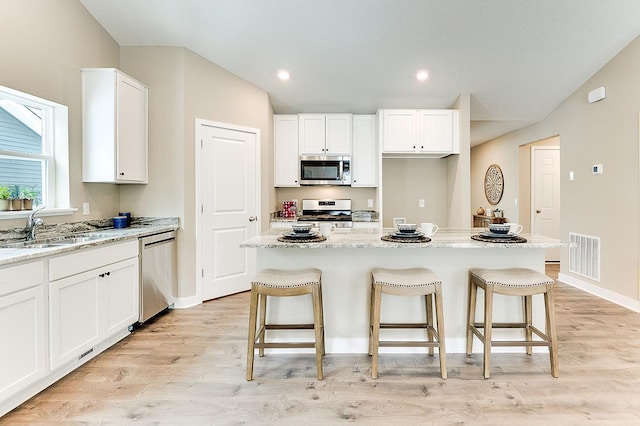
(158,239)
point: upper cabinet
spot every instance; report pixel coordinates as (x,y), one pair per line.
(114,127)
(432,132)
(286,161)
(364,161)
(323,134)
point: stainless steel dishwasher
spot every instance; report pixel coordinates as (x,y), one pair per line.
(158,275)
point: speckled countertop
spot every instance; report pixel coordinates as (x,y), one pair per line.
(104,235)
(370,238)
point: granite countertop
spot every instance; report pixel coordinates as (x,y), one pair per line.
(370,238)
(102,235)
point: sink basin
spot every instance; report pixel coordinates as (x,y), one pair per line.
(29,245)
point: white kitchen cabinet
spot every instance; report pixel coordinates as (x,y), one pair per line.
(93,295)
(364,161)
(23,351)
(428,132)
(114,127)
(325,134)
(286,160)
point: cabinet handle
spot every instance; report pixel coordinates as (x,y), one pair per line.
(108,273)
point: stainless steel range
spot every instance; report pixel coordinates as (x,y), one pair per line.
(337,212)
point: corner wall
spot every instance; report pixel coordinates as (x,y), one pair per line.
(605,206)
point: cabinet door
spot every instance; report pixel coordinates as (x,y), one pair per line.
(338,134)
(74,308)
(286,159)
(23,350)
(311,134)
(435,131)
(131,149)
(121,291)
(399,131)
(364,162)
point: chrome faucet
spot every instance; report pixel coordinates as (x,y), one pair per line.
(32,223)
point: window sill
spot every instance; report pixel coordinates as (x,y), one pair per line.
(18,214)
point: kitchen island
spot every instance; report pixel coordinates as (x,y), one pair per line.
(347,257)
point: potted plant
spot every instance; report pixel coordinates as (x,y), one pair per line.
(15,197)
(4,198)
(28,195)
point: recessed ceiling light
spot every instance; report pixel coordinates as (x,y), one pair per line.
(284,75)
(422,75)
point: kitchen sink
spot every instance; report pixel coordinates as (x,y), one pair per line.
(75,240)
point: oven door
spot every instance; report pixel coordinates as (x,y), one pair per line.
(320,170)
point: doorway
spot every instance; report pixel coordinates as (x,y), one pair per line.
(545,195)
(227,202)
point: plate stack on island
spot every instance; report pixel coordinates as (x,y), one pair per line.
(301,233)
(406,233)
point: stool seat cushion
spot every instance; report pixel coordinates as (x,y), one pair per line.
(511,277)
(287,279)
(413,277)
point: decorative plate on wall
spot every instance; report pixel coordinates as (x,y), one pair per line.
(493,184)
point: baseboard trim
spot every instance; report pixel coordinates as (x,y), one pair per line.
(603,293)
(186,302)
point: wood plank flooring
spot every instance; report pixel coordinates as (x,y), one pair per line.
(188,368)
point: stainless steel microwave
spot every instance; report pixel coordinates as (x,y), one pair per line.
(325,170)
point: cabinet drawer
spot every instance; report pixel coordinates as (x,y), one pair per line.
(20,277)
(84,260)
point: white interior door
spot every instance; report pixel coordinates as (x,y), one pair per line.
(228,195)
(545,193)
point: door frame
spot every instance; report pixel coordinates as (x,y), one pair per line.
(199,123)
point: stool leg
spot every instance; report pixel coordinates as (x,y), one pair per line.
(318,328)
(371,307)
(471,314)
(442,352)
(263,321)
(322,317)
(551,330)
(429,308)
(488,325)
(375,332)
(253,308)
(527,321)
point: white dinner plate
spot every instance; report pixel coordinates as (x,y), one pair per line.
(399,234)
(301,235)
(494,235)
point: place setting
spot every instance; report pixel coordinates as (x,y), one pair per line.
(501,233)
(409,233)
(301,233)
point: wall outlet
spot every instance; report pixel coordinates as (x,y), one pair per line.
(85,209)
(421,203)
(571,175)
(370,202)
(597,169)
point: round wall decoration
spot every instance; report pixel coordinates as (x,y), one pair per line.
(493,184)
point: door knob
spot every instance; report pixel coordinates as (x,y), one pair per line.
(252,218)
(538,211)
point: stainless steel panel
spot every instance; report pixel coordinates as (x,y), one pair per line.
(158,273)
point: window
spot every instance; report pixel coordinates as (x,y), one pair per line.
(33,151)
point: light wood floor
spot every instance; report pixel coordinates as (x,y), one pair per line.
(189,367)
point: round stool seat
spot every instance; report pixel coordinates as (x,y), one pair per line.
(287,279)
(408,278)
(511,277)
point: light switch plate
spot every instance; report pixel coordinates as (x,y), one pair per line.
(421,203)
(85,208)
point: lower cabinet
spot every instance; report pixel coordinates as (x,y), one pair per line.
(23,347)
(89,307)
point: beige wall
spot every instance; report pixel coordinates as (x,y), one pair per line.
(45,44)
(606,132)
(184,86)
(458,170)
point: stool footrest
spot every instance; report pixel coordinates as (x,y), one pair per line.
(286,345)
(289,326)
(502,325)
(404,325)
(407,344)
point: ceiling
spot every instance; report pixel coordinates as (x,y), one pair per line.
(518,59)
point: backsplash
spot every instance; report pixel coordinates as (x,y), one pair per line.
(55,230)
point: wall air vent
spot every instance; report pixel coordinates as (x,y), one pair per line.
(584,258)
